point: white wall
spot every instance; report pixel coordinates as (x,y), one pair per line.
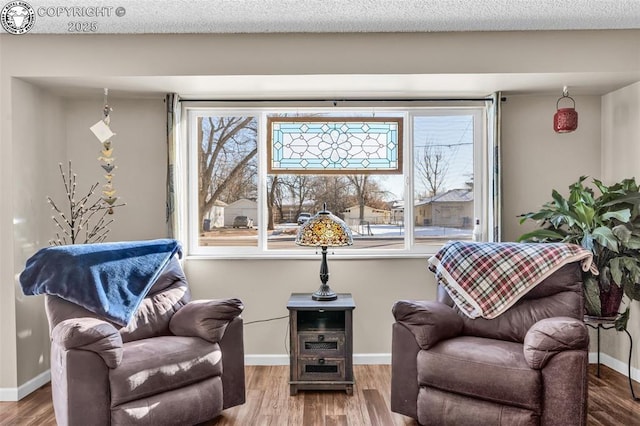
(38,127)
(621,160)
(536,160)
(140,150)
(621,134)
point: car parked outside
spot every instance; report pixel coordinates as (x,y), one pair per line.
(303,218)
(242,222)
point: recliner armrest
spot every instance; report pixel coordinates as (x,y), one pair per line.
(207,319)
(90,334)
(429,321)
(550,336)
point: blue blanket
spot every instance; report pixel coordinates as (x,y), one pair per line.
(109,279)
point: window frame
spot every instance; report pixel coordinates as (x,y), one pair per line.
(188,202)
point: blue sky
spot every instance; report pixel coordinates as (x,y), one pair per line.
(453,134)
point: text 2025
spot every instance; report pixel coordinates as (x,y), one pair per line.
(82,27)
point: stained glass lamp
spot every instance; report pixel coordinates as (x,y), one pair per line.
(324,230)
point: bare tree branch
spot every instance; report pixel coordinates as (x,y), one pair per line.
(432,165)
(227,147)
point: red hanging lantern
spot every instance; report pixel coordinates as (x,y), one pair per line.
(565,120)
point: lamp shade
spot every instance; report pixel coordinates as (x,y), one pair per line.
(324,230)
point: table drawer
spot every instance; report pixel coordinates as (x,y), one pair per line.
(321,369)
(327,344)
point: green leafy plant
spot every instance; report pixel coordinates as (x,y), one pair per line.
(608,225)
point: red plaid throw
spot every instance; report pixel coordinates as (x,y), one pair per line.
(486,279)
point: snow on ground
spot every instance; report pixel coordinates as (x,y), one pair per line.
(286,230)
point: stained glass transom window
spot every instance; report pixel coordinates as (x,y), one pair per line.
(336,144)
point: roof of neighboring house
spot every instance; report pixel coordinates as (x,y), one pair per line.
(451,196)
(243,202)
(356,207)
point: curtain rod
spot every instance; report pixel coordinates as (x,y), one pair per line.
(336,101)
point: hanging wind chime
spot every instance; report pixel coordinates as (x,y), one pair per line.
(104,134)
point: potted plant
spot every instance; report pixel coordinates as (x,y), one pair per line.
(609,226)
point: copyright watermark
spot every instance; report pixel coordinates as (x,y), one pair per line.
(80,11)
(18,17)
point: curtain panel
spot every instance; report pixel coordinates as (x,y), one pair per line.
(494,225)
(173,124)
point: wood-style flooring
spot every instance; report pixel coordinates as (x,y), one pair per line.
(269,403)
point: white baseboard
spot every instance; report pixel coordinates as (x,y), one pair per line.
(266,359)
(615,364)
(371,359)
(16,394)
(8,394)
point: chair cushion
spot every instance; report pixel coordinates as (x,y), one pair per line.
(160,364)
(154,314)
(440,408)
(488,369)
(167,295)
(560,294)
(185,406)
(514,324)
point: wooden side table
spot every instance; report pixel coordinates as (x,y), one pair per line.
(608,323)
(321,336)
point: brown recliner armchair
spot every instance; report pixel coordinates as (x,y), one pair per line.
(176,362)
(528,366)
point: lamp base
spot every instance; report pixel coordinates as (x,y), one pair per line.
(324,294)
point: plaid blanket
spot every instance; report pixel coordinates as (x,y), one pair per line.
(486,279)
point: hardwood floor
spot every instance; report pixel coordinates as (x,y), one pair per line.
(269,404)
(610,400)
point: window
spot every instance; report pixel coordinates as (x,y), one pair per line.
(247,196)
(444,147)
(329,145)
(227,171)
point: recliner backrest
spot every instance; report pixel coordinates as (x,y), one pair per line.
(560,294)
(169,293)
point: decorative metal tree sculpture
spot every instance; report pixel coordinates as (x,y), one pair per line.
(84,220)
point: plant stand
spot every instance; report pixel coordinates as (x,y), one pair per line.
(608,323)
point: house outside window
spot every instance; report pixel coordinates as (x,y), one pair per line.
(241,206)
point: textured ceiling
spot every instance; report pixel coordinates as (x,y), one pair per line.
(296,16)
